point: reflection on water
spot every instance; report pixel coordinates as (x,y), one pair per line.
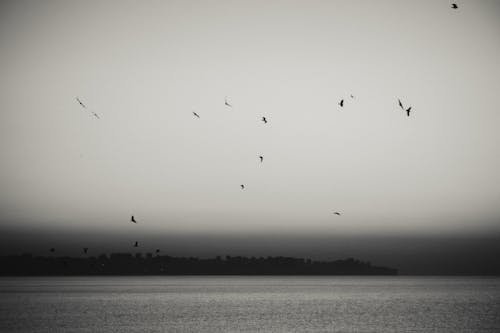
(270,304)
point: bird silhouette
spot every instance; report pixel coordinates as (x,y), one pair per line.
(454,6)
(400,104)
(264,120)
(83,105)
(196,115)
(226,103)
(132,219)
(336,213)
(52,250)
(136,244)
(85,250)
(157,250)
(408,111)
(352,96)
(242,186)
(261,159)
(341,103)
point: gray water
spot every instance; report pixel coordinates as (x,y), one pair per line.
(250,304)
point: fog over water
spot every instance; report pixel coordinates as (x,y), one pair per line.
(409,189)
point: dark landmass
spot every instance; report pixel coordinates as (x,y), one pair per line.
(128,264)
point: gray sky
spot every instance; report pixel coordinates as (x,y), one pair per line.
(144,67)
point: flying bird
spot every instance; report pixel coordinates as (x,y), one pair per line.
(400,104)
(454,6)
(132,219)
(196,115)
(261,159)
(336,213)
(242,186)
(226,103)
(352,96)
(136,244)
(264,120)
(83,105)
(157,250)
(341,103)
(85,250)
(408,111)
(52,250)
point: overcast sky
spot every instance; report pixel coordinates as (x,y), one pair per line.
(145,66)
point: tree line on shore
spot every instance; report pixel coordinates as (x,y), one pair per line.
(149,264)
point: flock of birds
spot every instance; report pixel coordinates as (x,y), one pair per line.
(261,158)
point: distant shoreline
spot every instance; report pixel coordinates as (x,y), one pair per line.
(126,264)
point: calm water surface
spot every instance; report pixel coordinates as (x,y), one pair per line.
(250,304)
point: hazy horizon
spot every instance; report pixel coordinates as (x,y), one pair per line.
(144,68)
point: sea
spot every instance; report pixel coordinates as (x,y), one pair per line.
(250,304)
